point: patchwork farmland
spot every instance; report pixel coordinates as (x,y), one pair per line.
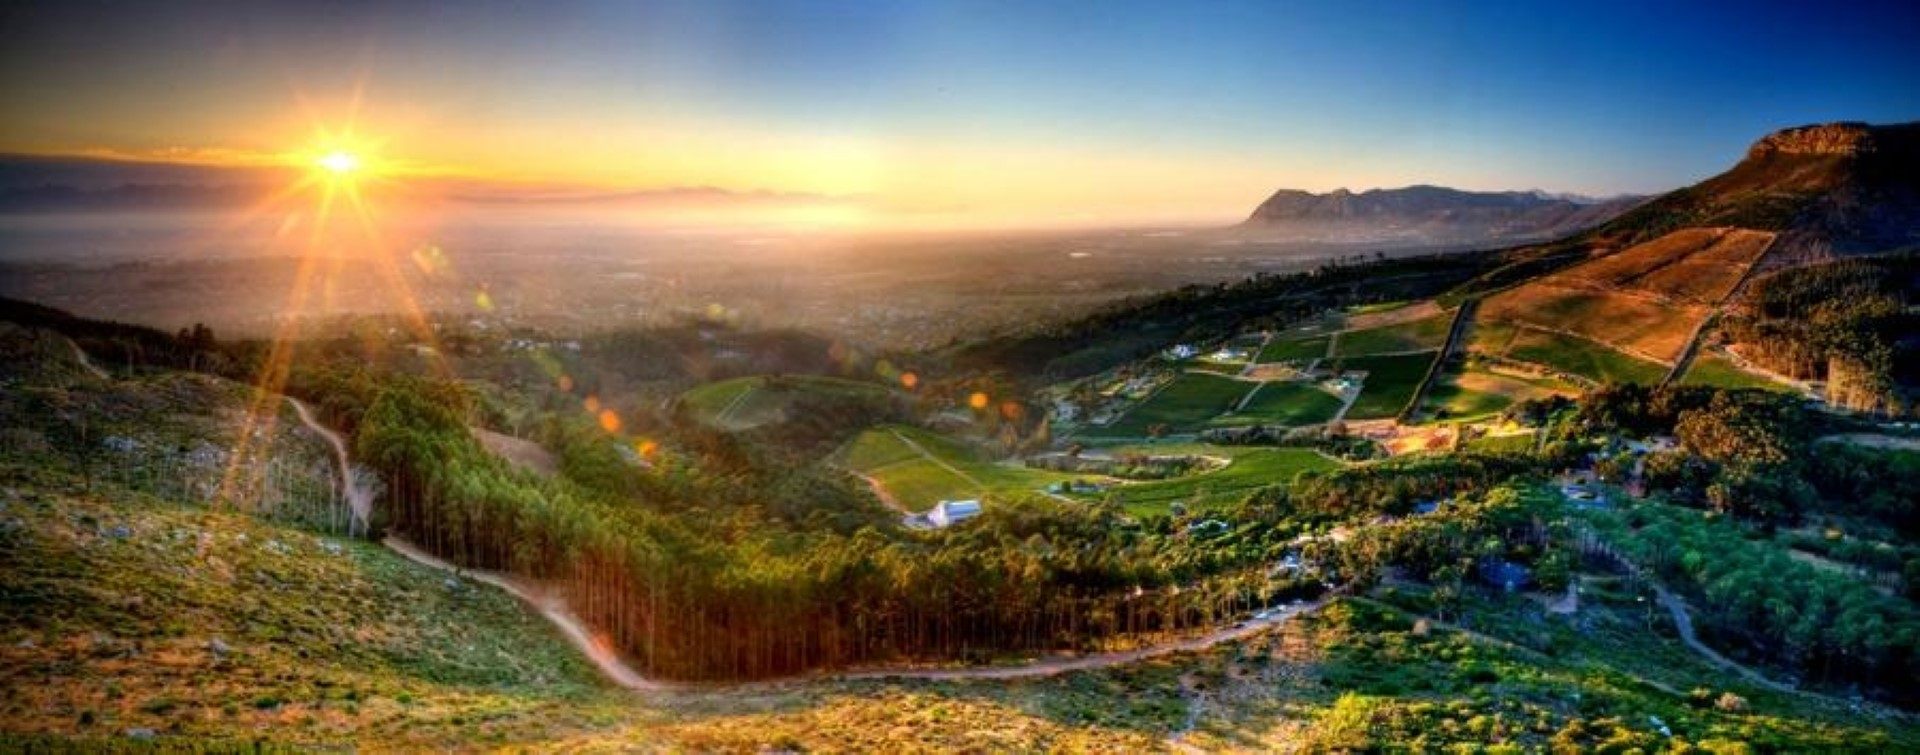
(1646,302)
(1188,403)
(1390,383)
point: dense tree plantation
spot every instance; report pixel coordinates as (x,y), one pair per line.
(709,561)
(1848,323)
(1748,458)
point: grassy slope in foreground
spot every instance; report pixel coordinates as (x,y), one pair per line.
(130,613)
(362,648)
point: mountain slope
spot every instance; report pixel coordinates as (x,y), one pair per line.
(1428,214)
(1830,190)
(1656,279)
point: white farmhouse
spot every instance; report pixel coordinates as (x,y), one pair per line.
(947,513)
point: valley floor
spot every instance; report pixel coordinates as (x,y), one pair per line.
(131,618)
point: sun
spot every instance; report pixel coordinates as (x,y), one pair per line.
(339,162)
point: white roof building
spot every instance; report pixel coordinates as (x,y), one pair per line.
(947,513)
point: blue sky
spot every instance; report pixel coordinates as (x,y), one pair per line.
(860,97)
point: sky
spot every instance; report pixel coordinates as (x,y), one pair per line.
(1014,113)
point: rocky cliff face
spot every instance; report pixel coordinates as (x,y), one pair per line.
(1845,139)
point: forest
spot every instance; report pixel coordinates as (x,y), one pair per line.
(715,561)
(710,554)
(1849,323)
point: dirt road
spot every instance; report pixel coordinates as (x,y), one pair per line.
(553,608)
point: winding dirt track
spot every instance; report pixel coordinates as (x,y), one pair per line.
(554,608)
(86,362)
(551,606)
(358,497)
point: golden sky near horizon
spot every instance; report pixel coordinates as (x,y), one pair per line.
(955,114)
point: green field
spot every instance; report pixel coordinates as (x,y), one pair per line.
(1502,444)
(1585,358)
(1248,468)
(921,468)
(1419,335)
(708,400)
(1186,404)
(1391,381)
(1297,350)
(1292,404)
(1449,401)
(1476,393)
(745,402)
(1385,306)
(1219,368)
(1715,370)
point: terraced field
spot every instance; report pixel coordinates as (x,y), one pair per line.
(1391,381)
(1392,313)
(1646,300)
(1292,404)
(1186,404)
(1696,265)
(1628,321)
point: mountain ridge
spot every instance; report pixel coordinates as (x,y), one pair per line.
(1831,190)
(1426,213)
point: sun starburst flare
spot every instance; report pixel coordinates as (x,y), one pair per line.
(340,170)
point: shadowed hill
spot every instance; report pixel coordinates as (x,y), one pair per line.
(1830,190)
(1429,215)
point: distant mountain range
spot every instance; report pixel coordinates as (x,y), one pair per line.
(42,184)
(1434,215)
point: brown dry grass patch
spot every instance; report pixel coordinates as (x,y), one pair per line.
(1637,324)
(1645,300)
(1695,265)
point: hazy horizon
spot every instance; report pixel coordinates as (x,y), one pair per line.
(904,115)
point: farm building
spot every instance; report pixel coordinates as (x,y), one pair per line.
(948,513)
